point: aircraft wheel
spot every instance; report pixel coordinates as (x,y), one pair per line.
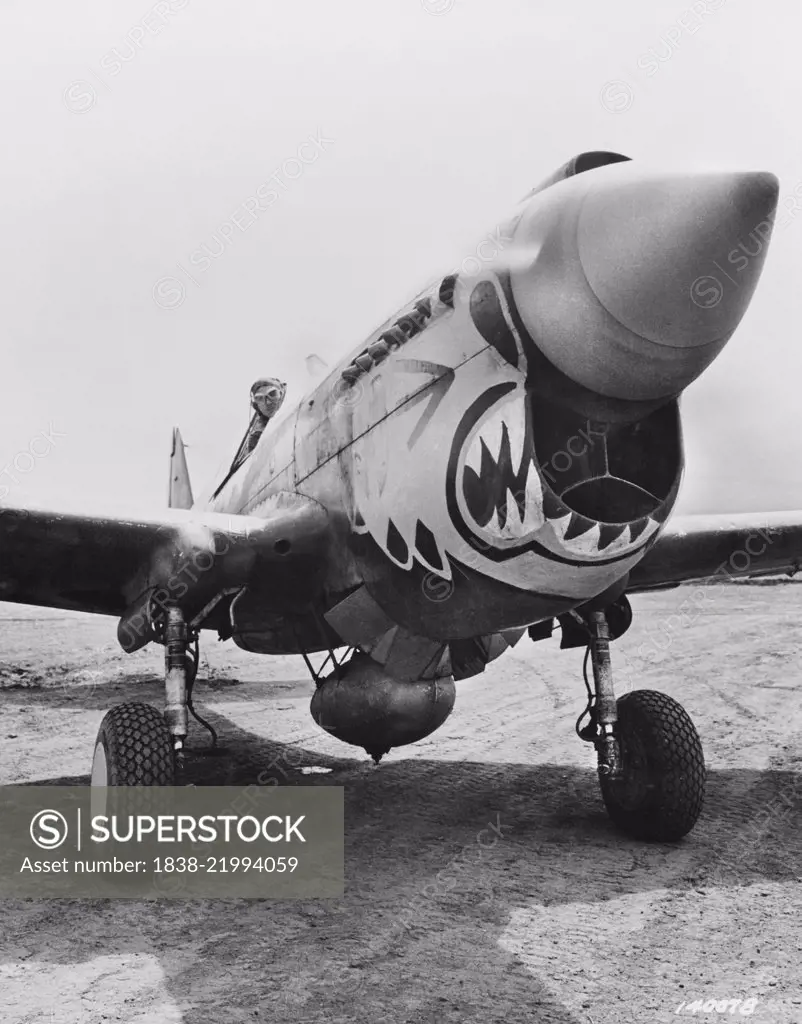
(660,793)
(133,748)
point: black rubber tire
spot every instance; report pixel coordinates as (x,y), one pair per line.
(661,793)
(138,746)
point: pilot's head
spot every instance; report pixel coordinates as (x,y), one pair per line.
(267,395)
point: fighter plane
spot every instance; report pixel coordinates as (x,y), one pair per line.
(500,458)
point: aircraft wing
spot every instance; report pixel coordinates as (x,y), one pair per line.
(113,565)
(704,548)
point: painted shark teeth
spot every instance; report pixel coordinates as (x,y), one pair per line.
(582,536)
(515,526)
(614,538)
(534,517)
(492,525)
(509,500)
(560,525)
(501,487)
(502,433)
(586,543)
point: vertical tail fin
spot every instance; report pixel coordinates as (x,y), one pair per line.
(179,494)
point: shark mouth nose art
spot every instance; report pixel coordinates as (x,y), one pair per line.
(532,475)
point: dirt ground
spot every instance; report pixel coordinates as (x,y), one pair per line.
(557,918)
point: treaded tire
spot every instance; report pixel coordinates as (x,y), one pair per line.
(661,793)
(137,745)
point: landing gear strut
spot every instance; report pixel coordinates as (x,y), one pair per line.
(175,681)
(605,710)
(138,746)
(650,760)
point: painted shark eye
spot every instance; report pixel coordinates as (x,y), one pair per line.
(487,314)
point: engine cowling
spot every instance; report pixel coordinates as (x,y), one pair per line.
(363,705)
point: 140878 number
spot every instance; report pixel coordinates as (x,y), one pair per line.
(224,865)
(746,1007)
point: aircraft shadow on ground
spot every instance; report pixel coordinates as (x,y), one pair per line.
(406,822)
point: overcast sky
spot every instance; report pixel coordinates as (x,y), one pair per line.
(132,133)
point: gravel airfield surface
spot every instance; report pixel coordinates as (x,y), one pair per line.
(484,881)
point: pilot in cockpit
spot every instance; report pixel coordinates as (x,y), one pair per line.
(267,396)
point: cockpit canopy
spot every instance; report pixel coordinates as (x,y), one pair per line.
(266,397)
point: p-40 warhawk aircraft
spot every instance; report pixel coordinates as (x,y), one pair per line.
(502,454)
